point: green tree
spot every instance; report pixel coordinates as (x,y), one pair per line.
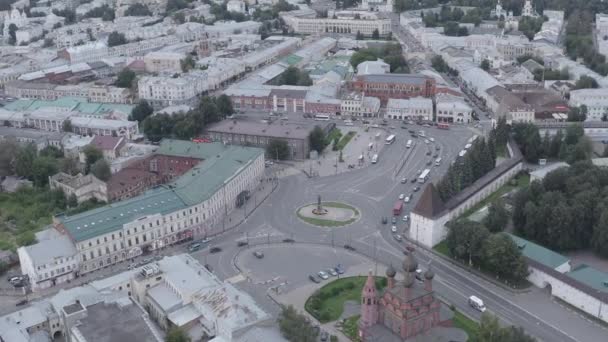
(485,65)
(101,170)
(316,139)
(51,151)
(577,114)
(585,82)
(497,218)
(502,257)
(125,78)
(69,165)
(439,64)
(8,151)
(12,34)
(174,5)
(224,105)
(465,240)
(24,161)
(278,149)
(359,36)
(376,34)
(138,10)
(176,334)
(187,63)
(115,39)
(209,111)
(66,126)
(72,201)
(295,326)
(42,169)
(91,154)
(141,111)
(69,15)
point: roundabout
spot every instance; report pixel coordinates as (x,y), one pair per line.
(328,214)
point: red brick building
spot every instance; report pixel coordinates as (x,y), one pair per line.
(393,86)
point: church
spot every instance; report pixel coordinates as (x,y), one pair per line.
(511,22)
(377,5)
(406,310)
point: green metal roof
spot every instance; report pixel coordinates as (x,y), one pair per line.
(219,164)
(539,253)
(590,276)
(78,104)
(292,59)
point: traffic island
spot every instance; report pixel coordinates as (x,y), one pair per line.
(328,214)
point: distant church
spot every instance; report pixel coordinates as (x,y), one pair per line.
(507,16)
(377,5)
(406,310)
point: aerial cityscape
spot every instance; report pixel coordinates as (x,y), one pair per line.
(303,170)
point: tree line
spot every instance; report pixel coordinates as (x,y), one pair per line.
(570,146)
(184,125)
(391,54)
(567,210)
(479,159)
(293,76)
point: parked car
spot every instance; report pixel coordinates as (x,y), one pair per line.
(242,243)
(349,248)
(288,240)
(394,229)
(332,272)
(413,180)
(323,275)
(314,279)
(214,250)
(437,148)
(384,220)
(403,180)
(401,196)
(258,254)
(397,237)
(324,336)
(21,302)
(432,139)
(394,220)
(416,189)
(406,218)
(339,269)
(428,153)
(406,199)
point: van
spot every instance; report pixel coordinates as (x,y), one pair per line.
(194,247)
(477,303)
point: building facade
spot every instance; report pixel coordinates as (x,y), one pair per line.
(417,108)
(396,86)
(340,25)
(452,109)
(360,105)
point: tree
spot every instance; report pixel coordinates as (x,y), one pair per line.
(91,154)
(101,170)
(12,34)
(485,65)
(42,169)
(599,242)
(278,149)
(502,257)
(8,152)
(141,111)
(316,139)
(497,218)
(187,63)
(125,78)
(104,12)
(66,126)
(465,240)
(359,36)
(491,331)
(69,165)
(439,64)
(51,151)
(376,34)
(586,82)
(24,161)
(295,326)
(174,5)
(224,105)
(69,15)
(209,111)
(72,201)
(176,334)
(115,39)
(138,10)
(577,114)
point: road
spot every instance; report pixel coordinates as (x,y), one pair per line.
(373,190)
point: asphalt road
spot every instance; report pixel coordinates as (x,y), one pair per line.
(374,190)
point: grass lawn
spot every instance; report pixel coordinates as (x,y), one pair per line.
(468,325)
(442,248)
(330,223)
(522,181)
(350,329)
(330,298)
(345,140)
(332,135)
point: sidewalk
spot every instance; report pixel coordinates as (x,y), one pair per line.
(298,297)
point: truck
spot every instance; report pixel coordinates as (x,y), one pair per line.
(397,208)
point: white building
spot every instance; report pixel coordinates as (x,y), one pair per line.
(164,62)
(236,6)
(417,108)
(452,109)
(169,91)
(596,101)
(373,67)
(159,217)
(339,25)
(90,52)
(551,29)
(360,105)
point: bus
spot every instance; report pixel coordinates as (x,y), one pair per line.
(390,139)
(424,176)
(321,117)
(467,146)
(409,144)
(397,208)
(443,125)
(374,159)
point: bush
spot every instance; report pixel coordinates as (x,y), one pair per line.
(349,286)
(324,316)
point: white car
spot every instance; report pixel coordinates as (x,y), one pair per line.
(426,141)
(402,196)
(394,229)
(397,237)
(323,275)
(405,218)
(433,139)
(407,199)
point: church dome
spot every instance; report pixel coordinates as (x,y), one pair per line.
(410,264)
(390,271)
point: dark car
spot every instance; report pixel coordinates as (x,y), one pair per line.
(437,148)
(404,127)
(339,269)
(258,254)
(394,220)
(428,153)
(214,250)
(21,302)
(429,162)
(416,189)
(436,155)
(384,220)
(314,279)
(349,248)
(242,243)
(289,240)
(324,336)
(413,180)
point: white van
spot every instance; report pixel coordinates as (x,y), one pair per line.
(477,303)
